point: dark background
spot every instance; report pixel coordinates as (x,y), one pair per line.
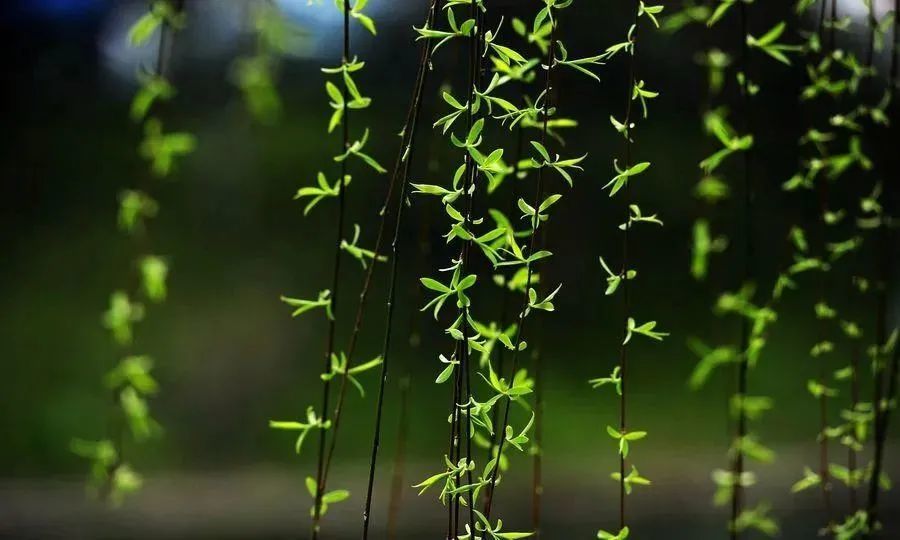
(230,357)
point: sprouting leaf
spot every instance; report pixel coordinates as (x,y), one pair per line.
(121,316)
(163,149)
(360,254)
(621,535)
(133,371)
(134,208)
(615,379)
(137,414)
(624,437)
(355,149)
(160,12)
(312,422)
(153,88)
(632,479)
(302,305)
(320,192)
(646,329)
(154,271)
(621,179)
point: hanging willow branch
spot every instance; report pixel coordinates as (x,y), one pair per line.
(130,380)
(337,364)
(636,92)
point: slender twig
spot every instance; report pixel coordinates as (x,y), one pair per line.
(823,193)
(737,466)
(404,158)
(462,346)
(537,461)
(881,424)
(537,464)
(852,454)
(453,455)
(538,196)
(626,296)
(824,472)
(506,292)
(399,467)
(335,279)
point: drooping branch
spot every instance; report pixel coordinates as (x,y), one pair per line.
(737,465)
(401,171)
(321,470)
(533,238)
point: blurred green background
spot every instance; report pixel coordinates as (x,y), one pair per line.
(230,357)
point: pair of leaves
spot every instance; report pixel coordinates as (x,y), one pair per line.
(152,88)
(615,379)
(339,367)
(544,305)
(302,306)
(331,497)
(339,103)
(154,271)
(624,174)
(580,64)
(495,532)
(121,315)
(621,535)
(163,149)
(768,43)
(160,12)
(613,279)
(716,124)
(457,287)
(646,329)
(520,386)
(134,208)
(312,422)
(356,13)
(640,93)
(703,246)
(558,164)
(133,371)
(364,256)
(137,414)
(109,475)
(624,438)
(632,479)
(355,149)
(320,192)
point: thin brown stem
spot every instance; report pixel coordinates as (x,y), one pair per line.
(335,281)
(399,467)
(852,454)
(401,169)
(737,465)
(537,464)
(882,418)
(626,290)
(476,42)
(507,294)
